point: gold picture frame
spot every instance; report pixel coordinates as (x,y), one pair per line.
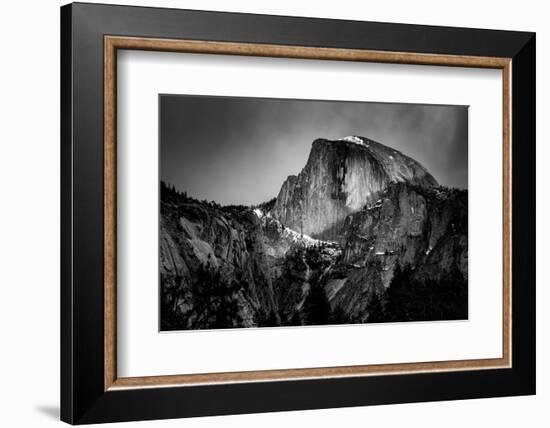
(114,43)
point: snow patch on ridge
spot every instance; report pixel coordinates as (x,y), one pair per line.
(290,234)
(307,240)
(353,139)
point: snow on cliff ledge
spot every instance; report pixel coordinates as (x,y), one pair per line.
(291,235)
(353,139)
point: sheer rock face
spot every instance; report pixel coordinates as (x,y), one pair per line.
(194,236)
(339,178)
(423,228)
(407,225)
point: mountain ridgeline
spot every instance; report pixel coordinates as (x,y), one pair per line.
(362,234)
(341,177)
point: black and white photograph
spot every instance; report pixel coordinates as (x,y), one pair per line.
(253,214)
(286,212)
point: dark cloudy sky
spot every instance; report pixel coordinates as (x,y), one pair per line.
(240,150)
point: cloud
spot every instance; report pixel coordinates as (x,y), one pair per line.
(239,150)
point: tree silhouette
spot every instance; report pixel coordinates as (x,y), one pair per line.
(410,299)
(215,301)
(316,307)
(400,295)
(296,319)
(376,309)
(269,319)
(338,316)
(172,293)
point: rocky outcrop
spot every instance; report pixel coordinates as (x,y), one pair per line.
(424,229)
(339,178)
(222,248)
(249,260)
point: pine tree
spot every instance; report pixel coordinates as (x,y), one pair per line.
(316,307)
(339,316)
(296,319)
(267,319)
(399,295)
(215,301)
(410,299)
(376,309)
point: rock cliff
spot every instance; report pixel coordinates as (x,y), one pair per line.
(424,229)
(339,178)
(362,234)
(247,260)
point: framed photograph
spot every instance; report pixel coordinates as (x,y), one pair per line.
(316,212)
